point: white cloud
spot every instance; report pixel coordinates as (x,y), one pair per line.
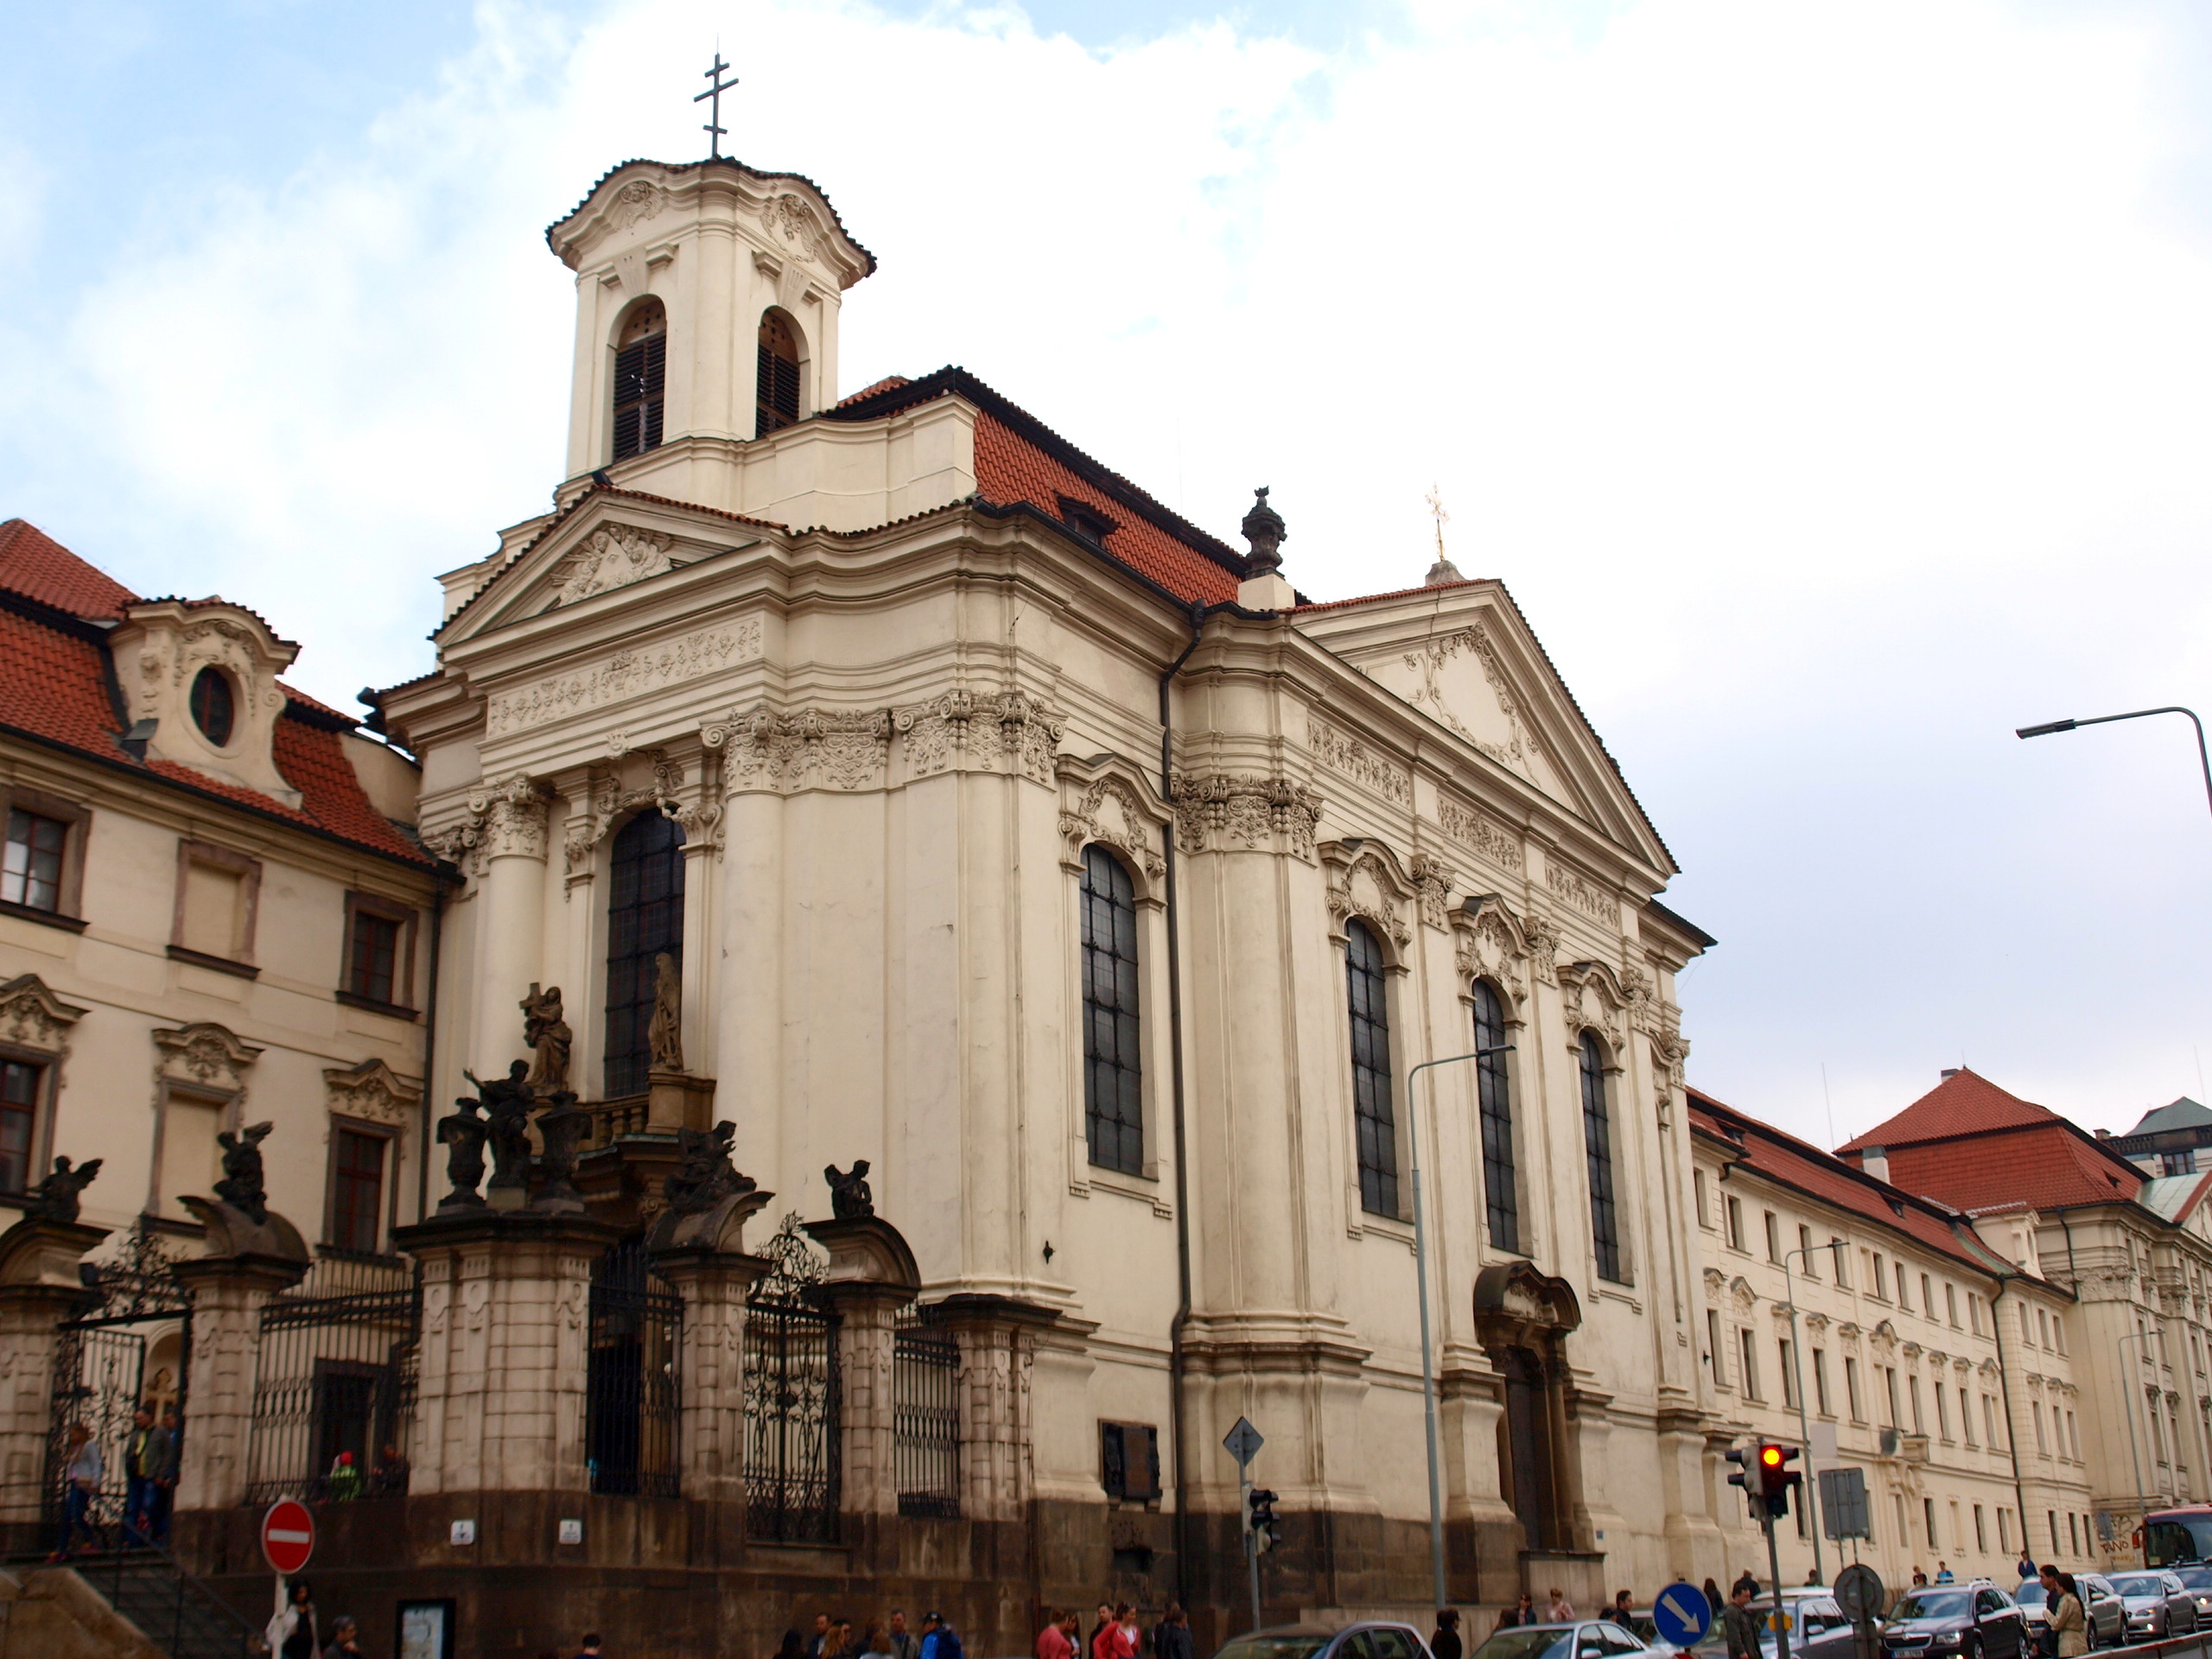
(1825,380)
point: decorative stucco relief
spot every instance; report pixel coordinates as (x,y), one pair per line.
(1544,937)
(1434,880)
(1429,662)
(32,1016)
(628,673)
(506,819)
(602,802)
(1364,881)
(1479,833)
(1217,810)
(1111,811)
(204,1055)
(1345,755)
(807,748)
(216,642)
(1489,942)
(614,556)
(1591,996)
(1580,891)
(787,217)
(636,202)
(371,1091)
(980,731)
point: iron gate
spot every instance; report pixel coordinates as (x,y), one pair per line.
(793,1421)
(334,1388)
(630,1417)
(925,1417)
(133,1346)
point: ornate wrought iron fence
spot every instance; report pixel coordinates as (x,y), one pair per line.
(101,1375)
(792,1401)
(334,1387)
(925,1417)
(637,1322)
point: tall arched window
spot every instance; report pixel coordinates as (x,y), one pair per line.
(1113,1074)
(776,390)
(1372,1119)
(1501,1198)
(640,374)
(645,919)
(1598,1144)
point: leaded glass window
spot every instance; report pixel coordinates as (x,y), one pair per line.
(645,919)
(1372,1117)
(1598,1144)
(1113,1067)
(1501,1197)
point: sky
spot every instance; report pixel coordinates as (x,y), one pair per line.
(1828,383)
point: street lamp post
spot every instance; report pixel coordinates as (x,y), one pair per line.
(1420,1283)
(2203,755)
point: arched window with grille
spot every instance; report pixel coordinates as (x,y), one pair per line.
(1113,1070)
(776,392)
(1494,1103)
(1373,1121)
(644,920)
(640,376)
(1598,1145)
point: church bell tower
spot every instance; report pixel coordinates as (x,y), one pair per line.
(707,300)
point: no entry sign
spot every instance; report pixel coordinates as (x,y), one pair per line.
(288,1536)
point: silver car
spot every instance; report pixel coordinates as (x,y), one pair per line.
(1367,1639)
(2104,1616)
(2158,1604)
(1583,1638)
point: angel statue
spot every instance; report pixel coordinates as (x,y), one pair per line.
(849,1198)
(244,1185)
(56,1198)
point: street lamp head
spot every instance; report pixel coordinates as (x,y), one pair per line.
(2047,728)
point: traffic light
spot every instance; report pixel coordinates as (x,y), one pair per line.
(1775,1477)
(1746,1475)
(1260,1519)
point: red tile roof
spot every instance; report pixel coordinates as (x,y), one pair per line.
(35,565)
(54,688)
(1965,1102)
(1794,1163)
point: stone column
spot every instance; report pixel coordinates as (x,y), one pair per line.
(228,1294)
(702,1254)
(511,919)
(997,1337)
(39,1287)
(503,1372)
(870,1277)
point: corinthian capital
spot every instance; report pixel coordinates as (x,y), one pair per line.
(513,815)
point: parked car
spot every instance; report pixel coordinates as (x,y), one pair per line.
(1818,1629)
(1585,1638)
(2198,1581)
(2104,1615)
(2158,1604)
(1974,1621)
(1366,1639)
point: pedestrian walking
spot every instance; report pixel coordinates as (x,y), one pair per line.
(1559,1609)
(1127,1641)
(345,1638)
(1943,1573)
(1620,1613)
(1742,1630)
(1052,1640)
(2025,1567)
(1713,1598)
(1091,1643)
(1445,1645)
(1171,1638)
(292,1633)
(939,1639)
(1522,1612)
(1744,1580)
(817,1645)
(2068,1625)
(904,1644)
(590,1649)
(1919,1578)
(876,1645)
(145,1454)
(81,1477)
(165,1481)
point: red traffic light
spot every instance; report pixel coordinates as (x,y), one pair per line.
(1770,1456)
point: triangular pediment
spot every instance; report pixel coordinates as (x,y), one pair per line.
(607,542)
(1465,658)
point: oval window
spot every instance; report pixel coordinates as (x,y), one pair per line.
(212,705)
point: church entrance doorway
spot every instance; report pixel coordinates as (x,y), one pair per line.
(630,1412)
(792,1400)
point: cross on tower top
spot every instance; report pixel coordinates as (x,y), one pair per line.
(1443,570)
(714,128)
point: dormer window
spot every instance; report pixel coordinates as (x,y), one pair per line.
(640,375)
(1085,519)
(777,389)
(214,708)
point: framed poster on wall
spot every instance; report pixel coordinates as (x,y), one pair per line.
(426,1630)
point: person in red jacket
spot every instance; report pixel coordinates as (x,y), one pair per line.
(1054,1642)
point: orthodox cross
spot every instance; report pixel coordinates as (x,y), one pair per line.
(714,128)
(1442,518)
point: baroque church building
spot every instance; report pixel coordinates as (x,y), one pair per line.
(1002,829)
(937,955)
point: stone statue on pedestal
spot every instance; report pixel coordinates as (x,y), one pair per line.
(243,1185)
(849,1198)
(560,1127)
(545,1033)
(57,1197)
(705,1175)
(665,1036)
(463,1134)
(507,1102)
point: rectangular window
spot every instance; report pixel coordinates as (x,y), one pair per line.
(1747,1345)
(1773,1237)
(1719,1360)
(356,1190)
(1927,1297)
(1903,1301)
(1890,1395)
(1966,1416)
(1876,1286)
(1697,1187)
(1951,1304)
(31,875)
(2074,1436)
(2027,1327)
(1981,1531)
(20,1083)
(1789,1374)
(1735,1212)
(1597,1157)
(2052,1516)
(1912,1392)
(1974,1311)
(1113,1075)
(2073,1534)
(2058,1333)
(2004,1529)
(1942,1414)
(218,892)
(1927,1519)
(1128,1459)
(1806,1254)
(1821,1382)
(2035,1413)
(376,958)
(1851,1389)
(190,1160)
(1374,1120)
(1989,1420)
(1841,1252)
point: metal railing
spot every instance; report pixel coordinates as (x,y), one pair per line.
(925,1417)
(334,1391)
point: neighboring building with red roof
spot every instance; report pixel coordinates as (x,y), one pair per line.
(214,906)
(887,776)
(2136,1248)
(1925,1358)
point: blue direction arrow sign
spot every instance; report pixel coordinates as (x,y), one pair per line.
(1682,1614)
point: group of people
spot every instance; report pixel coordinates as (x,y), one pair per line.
(296,1632)
(150,1457)
(1557,1610)
(1115,1634)
(833,1638)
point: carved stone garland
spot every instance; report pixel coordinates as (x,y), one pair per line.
(808,749)
(1219,810)
(973,731)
